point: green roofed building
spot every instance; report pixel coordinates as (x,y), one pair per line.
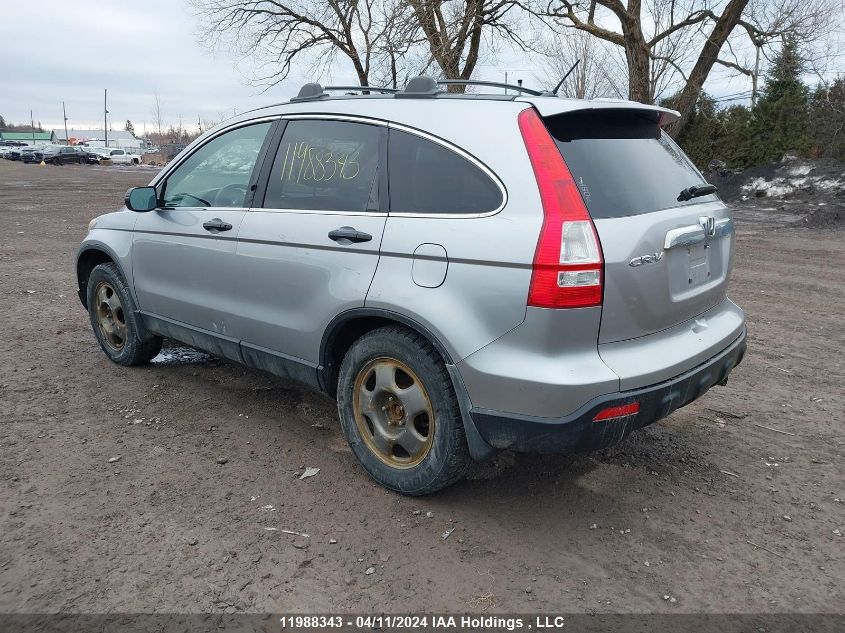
(28,137)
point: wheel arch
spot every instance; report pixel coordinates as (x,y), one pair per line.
(89,257)
(349,326)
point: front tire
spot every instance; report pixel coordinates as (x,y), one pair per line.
(400,414)
(115,321)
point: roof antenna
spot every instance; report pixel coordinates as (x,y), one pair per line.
(568,72)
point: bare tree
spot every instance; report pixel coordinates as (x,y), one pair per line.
(599,72)
(652,33)
(401,50)
(767,23)
(158,116)
(453,31)
(277,33)
(675,44)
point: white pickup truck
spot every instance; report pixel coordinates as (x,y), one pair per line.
(121,157)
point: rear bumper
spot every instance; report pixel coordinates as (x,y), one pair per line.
(578,432)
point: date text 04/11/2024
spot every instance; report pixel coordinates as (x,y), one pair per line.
(429,622)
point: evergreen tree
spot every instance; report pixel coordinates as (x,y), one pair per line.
(827,112)
(784,78)
(700,137)
(781,118)
(2,122)
(129,127)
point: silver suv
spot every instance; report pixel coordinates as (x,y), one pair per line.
(464,273)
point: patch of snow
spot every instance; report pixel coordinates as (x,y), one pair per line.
(783,186)
(180,355)
(800,170)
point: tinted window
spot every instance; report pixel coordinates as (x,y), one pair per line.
(426,177)
(623,162)
(325,166)
(218,173)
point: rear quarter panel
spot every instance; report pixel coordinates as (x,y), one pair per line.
(488,259)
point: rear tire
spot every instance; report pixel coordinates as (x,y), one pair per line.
(399,412)
(114,319)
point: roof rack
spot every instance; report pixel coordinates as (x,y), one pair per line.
(310,92)
(492,84)
(417,88)
(422,86)
(314,91)
(364,89)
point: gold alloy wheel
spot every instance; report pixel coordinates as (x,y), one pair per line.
(393,412)
(110,316)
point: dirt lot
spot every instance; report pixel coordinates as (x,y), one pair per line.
(707,511)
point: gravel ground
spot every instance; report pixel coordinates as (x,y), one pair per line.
(172,487)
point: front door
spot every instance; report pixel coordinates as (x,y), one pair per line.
(183,252)
(311,249)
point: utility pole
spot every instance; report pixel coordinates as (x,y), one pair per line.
(64,114)
(32,126)
(106,115)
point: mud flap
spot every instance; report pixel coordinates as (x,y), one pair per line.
(479,450)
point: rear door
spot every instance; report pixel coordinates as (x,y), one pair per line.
(667,259)
(309,247)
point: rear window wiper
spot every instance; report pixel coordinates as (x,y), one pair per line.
(704,189)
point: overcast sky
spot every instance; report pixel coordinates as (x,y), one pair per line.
(55,50)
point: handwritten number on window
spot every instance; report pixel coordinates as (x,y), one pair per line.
(305,163)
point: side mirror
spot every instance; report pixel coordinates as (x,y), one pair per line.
(141,199)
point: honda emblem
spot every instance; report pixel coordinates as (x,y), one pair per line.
(708,223)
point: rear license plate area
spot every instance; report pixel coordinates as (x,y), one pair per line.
(698,271)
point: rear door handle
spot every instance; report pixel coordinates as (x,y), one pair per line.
(216,225)
(348,234)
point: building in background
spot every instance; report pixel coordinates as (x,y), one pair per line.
(28,137)
(97,138)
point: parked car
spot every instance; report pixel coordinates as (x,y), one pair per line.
(94,155)
(122,157)
(61,155)
(30,154)
(8,147)
(16,151)
(546,274)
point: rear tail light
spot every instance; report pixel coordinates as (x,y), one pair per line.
(567,270)
(621,411)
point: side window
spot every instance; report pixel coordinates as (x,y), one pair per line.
(325,166)
(218,173)
(426,177)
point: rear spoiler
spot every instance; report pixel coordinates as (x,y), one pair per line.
(550,106)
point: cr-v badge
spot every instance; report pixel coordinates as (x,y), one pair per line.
(646,259)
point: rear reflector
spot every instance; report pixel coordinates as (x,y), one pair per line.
(567,270)
(622,411)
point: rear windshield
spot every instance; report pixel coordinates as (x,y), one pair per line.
(623,162)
